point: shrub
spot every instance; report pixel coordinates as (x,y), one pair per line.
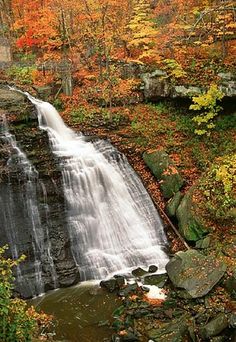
(207,104)
(219,187)
(174,69)
(24,75)
(17,322)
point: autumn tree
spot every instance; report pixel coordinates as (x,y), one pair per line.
(142,31)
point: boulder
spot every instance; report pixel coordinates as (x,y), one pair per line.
(152,269)
(110,285)
(165,172)
(190,225)
(156,85)
(156,279)
(227,84)
(139,272)
(230,285)
(204,243)
(183,91)
(215,326)
(171,332)
(173,204)
(195,273)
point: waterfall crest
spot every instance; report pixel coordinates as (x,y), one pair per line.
(112,222)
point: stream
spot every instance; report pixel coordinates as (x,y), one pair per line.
(78,311)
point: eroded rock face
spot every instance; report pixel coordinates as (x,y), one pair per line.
(12,102)
(195,273)
(32,215)
(158,85)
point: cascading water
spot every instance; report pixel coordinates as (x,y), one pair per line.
(20,208)
(112,222)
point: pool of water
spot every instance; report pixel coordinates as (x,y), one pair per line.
(78,311)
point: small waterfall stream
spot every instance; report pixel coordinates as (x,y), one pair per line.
(21,207)
(112,222)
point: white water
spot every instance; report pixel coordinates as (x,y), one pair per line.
(112,222)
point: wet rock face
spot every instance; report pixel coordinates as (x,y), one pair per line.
(32,216)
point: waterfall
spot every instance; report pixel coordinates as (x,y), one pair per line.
(112,222)
(20,215)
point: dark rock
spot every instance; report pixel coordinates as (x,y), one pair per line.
(56,265)
(214,327)
(110,285)
(221,339)
(68,273)
(115,338)
(173,204)
(164,170)
(129,289)
(118,324)
(232,321)
(190,225)
(120,280)
(152,269)
(230,285)
(171,332)
(230,250)
(139,272)
(194,272)
(145,289)
(129,337)
(141,313)
(156,279)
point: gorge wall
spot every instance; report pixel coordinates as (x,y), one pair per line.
(39,235)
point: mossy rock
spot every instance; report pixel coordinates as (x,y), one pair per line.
(195,273)
(165,172)
(215,326)
(156,279)
(190,225)
(173,204)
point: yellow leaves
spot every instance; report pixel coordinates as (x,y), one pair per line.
(142,29)
(174,68)
(208,103)
(226,173)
